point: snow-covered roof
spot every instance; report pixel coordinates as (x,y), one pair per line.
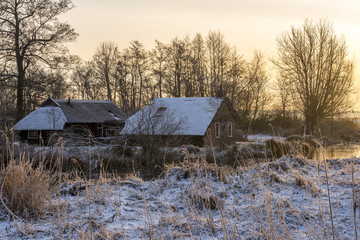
(43,118)
(174,116)
(54,113)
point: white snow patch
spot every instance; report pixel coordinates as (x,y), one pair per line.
(263,138)
(43,118)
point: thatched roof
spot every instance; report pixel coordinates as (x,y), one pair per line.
(70,111)
(90,111)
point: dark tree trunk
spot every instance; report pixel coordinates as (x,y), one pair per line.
(20,96)
(20,73)
(310,123)
(160,83)
(109,95)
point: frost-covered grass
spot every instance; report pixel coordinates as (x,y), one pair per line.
(288,198)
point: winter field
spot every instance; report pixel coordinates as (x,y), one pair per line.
(286,198)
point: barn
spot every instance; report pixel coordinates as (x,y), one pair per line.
(100,118)
(195,120)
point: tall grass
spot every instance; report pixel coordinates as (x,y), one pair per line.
(26,188)
(27,184)
(211,201)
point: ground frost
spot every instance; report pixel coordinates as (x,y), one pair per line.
(284,199)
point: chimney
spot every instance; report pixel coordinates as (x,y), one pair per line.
(156,95)
(69,101)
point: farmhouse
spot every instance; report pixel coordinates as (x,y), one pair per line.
(100,118)
(199,121)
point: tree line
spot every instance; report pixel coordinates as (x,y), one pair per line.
(197,67)
(312,70)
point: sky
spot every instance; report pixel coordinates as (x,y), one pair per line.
(248,25)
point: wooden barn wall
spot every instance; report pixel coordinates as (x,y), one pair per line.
(225,114)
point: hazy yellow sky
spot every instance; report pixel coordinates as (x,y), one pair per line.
(247,24)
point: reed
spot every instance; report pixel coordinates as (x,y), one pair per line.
(193,199)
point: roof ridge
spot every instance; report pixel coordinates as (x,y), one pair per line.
(82,100)
(188,97)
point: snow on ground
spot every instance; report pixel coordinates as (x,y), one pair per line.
(284,199)
(263,138)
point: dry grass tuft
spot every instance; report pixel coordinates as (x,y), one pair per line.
(305,183)
(203,200)
(26,189)
(276,178)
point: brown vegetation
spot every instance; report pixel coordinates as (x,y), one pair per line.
(27,189)
(205,208)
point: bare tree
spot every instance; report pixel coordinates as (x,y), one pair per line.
(158,57)
(105,61)
(7,96)
(284,90)
(236,82)
(84,81)
(41,83)
(314,60)
(251,87)
(176,67)
(30,31)
(258,80)
(124,87)
(188,73)
(139,66)
(218,54)
(199,59)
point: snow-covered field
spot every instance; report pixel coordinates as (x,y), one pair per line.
(283,199)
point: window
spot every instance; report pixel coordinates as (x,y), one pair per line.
(230,129)
(33,134)
(217,130)
(160,111)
